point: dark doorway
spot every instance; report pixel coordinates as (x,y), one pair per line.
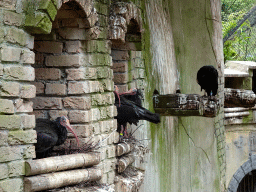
(248,183)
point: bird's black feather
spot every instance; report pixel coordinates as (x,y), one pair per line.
(49,134)
(129,110)
(207,78)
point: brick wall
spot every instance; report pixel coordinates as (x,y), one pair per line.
(56,59)
(17,136)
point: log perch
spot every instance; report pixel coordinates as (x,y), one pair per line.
(186,105)
(124,162)
(60,163)
(123,148)
(60,179)
(239,98)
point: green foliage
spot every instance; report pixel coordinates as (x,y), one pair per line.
(238,47)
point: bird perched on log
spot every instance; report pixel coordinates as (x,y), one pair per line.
(50,134)
(130,110)
(207,78)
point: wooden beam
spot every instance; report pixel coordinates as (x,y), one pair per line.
(60,163)
(239,98)
(124,162)
(60,179)
(186,105)
(123,148)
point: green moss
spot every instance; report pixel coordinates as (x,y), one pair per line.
(38,23)
(248,119)
(49,7)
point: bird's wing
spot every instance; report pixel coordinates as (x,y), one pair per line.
(45,141)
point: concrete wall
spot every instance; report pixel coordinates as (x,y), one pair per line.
(188,153)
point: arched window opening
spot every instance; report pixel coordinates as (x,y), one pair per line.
(248,183)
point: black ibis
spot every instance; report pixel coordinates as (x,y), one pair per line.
(207,78)
(50,134)
(130,110)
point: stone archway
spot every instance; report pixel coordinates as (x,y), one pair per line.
(241,172)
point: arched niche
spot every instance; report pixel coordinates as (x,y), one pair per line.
(242,172)
(64,73)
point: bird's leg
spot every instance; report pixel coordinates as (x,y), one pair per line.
(125,132)
(122,130)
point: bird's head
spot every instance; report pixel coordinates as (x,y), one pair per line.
(65,123)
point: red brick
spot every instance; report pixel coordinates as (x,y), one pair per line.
(64,60)
(39,59)
(55,89)
(39,87)
(79,116)
(73,46)
(79,34)
(48,73)
(119,55)
(23,106)
(57,113)
(47,103)
(40,114)
(121,78)
(63,14)
(77,102)
(48,46)
(81,74)
(122,88)
(78,87)
(28,91)
(82,130)
(120,67)
(68,22)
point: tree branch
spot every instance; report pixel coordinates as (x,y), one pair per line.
(239,23)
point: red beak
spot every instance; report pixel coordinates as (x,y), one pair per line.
(68,126)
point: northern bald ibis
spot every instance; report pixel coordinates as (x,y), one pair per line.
(50,134)
(207,78)
(130,110)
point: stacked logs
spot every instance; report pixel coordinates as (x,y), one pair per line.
(122,150)
(55,172)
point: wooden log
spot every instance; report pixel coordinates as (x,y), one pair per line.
(239,98)
(60,163)
(123,148)
(124,162)
(186,105)
(238,114)
(60,179)
(235,109)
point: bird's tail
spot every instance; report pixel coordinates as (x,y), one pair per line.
(148,116)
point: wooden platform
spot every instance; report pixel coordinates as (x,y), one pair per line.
(186,105)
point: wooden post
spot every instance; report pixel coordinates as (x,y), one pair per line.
(124,162)
(123,148)
(60,163)
(60,179)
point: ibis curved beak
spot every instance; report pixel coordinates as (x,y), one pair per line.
(68,126)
